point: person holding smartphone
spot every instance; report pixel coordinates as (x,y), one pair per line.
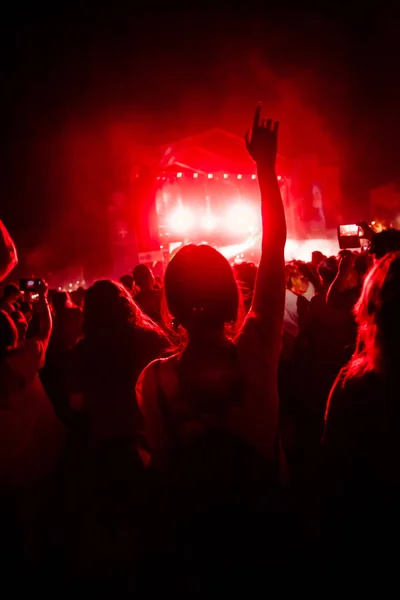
(31,435)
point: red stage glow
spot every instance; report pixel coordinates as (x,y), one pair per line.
(241,219)
(215,207)
(209,222)
(181,220)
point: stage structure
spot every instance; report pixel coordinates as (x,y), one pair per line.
(208,191)
(204,189)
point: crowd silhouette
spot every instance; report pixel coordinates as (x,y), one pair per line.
(224,430)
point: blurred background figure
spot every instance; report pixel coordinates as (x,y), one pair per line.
(67,328)
(361,448)
(316,258)
(148,298)
(127,282)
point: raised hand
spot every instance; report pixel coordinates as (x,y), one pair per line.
(262,143)
(347,263)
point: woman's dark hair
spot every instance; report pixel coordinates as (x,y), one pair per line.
(109,310)
(8,334)
(200,288)
(378,317)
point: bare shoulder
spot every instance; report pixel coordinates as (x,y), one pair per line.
(154,375)
(160,365)
(354,405)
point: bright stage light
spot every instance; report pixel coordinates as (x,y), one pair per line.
(181,220)
(241,219)
(209,222)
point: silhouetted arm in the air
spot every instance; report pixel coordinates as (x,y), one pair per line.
(259,341)
(46,322)
(345,281)
(8,252)
(269,293)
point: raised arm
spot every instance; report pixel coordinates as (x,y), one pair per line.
(46,323)
(8,252)
(269,293)
(345,280)
(259,341)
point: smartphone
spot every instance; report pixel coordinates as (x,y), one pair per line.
(349,236)
(31,285)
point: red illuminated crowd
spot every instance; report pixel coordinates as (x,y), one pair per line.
(224,430)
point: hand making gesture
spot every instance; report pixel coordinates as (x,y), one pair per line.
(262,141)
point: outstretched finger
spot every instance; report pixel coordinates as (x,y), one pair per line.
(257,116)
(275,127)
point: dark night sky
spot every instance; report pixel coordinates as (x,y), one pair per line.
(331,77)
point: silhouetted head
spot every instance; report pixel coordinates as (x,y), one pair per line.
(385,242)
(378,316)
(108,308)
(143,277)
(345,252)
(201,289)
(118,339)
(127,282)
(328,270)
(316,258)
(11,292)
